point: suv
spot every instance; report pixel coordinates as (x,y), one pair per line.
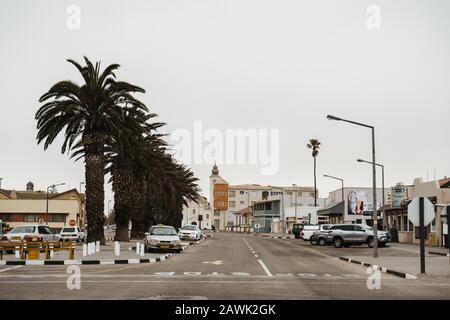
(344,235)
(320,236)
(190,232)
(297,229)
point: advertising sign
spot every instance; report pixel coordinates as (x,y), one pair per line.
(357,202)
(398,195)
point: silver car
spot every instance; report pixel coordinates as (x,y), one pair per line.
(161,237)
(345,235)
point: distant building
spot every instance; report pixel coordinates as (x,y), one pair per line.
(198,213)
(25,207)
(228,201)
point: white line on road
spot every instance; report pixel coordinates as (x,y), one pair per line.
(16,267)
(256,256)
(265,268)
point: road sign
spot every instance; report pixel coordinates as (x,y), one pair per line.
(72,223)
(414,212)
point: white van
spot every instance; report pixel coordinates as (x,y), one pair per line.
(308,231)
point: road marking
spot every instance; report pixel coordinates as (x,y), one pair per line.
(301,264)
(217,262)
(265,268)
(16,267)
(256,256)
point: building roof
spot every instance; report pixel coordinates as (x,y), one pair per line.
(36,195)
(244,211)
(332,209)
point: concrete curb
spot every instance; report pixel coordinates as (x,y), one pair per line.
(273,237)
(82,262)
(439,253)
(383,269)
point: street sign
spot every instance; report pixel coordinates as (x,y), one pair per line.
(414,212)
(72,223)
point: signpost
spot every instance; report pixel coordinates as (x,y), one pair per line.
(72,223)
(421,213)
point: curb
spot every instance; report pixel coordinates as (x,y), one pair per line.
(439,253)
(383,269)
(82,262)
(272,237)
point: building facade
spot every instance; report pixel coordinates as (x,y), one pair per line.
(198,213)
(25,207)
(228,201)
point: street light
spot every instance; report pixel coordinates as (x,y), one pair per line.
(382,186)
(1,182)
(342,184)
(53,186)
(81,184)
(374,180)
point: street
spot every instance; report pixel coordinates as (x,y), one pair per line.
(226,266)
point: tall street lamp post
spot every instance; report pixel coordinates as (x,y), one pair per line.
(374,181)
(340,179)
(382,186)
(53,186)
(81,183)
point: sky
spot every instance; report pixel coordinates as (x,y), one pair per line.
(252,64)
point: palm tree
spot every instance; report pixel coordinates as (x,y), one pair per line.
(314,145)
(89,114)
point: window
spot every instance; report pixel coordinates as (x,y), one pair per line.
(232,204)
(23,229)
(31,217)
(232,193)
(358,228)
(241,192)
(207,216)
(289,193)
(253,194)
(57,218)
(5,217)
(241,203)
(311,194)
(193,211)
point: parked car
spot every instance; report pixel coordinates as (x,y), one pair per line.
(345,235)
(319,236)
(308,231)
(190,232)
(296,229)
(32,232)
(161,237)
(72,234)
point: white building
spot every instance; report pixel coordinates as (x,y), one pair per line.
(198,213)
(226,200)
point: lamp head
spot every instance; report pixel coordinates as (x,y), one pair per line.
(330,117)
(360,160)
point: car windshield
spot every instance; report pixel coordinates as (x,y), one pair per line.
(68,230)
(189,228)
(23,229)
(163,231)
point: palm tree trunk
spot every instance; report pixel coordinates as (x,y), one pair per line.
(122,186)
(95,191)
(315,185)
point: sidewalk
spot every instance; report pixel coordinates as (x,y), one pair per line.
(408,260)
(127,251)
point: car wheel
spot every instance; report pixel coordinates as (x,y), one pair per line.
(322,242)
(314,241)
(370,242)
(338,242)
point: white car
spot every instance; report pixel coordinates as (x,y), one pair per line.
(190,232)
(32,232)
(161,237)
(308,231)
(72,234)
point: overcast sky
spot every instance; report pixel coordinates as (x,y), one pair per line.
(244,64)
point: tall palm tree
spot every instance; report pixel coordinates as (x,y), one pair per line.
(89,114)
(314,145)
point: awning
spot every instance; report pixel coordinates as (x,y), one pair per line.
(333,209)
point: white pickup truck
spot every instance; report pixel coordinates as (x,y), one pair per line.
(308,231)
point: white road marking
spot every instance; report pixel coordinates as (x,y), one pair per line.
(256,256)
(265,268)
(16,267)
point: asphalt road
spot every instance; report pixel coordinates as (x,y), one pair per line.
(227,266)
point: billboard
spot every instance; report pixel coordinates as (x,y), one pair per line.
(357,203)
(398,195)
